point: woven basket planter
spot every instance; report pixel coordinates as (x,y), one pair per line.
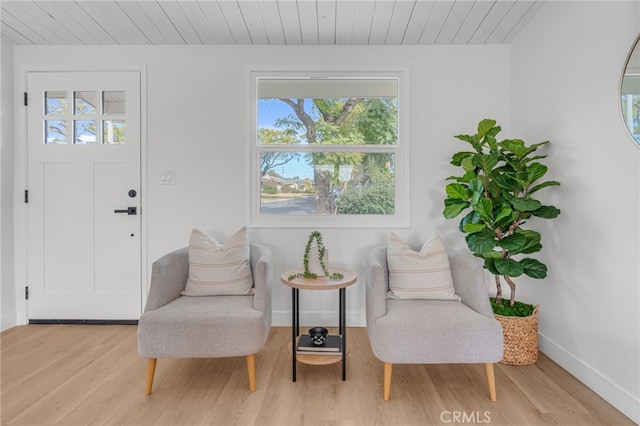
(520,339)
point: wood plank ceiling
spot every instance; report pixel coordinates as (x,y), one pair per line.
(264,22)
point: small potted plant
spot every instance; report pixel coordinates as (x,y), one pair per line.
(496,192)
(315,259)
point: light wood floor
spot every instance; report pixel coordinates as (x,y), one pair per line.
(81,374)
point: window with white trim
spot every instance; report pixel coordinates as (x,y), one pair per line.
(327,150)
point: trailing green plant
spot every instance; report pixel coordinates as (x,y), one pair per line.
(317,237)
(496,190)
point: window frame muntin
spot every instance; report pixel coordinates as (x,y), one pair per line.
(401,217)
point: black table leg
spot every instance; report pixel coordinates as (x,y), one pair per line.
(297,312)
(343,330)
(294,330)
(340,312)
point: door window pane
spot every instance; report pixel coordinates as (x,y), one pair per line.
(85,132)
(55,132)
(84,117)
(85,102)
(55,103)
(113,102)
(113,132)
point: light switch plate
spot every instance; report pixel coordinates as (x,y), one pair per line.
(167,177)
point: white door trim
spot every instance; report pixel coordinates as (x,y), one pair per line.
(21,162)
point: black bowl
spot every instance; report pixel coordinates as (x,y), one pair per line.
(318,335)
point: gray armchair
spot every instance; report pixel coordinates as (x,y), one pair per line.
(175,326)
(432,331)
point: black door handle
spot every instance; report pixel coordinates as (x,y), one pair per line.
(131,211)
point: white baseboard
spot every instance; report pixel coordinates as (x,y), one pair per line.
(318,318)
(8,321)
(622,400)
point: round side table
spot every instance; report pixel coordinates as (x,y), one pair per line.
(289,279)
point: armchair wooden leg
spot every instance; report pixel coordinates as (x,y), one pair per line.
(151,369)
(251,369)
(388,369)
(491,380)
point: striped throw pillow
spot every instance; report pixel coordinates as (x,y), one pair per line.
(219,269)
(419,275)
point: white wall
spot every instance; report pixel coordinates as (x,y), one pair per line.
(7,108)
(566,70)
(197,125)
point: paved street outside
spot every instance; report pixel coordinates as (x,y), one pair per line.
(299,205)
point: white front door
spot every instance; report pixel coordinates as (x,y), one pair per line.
(84,242)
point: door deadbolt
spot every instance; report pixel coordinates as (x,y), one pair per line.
(132,193)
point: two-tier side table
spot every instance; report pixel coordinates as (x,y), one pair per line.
(319,283)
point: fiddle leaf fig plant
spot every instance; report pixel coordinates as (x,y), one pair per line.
(497,192)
